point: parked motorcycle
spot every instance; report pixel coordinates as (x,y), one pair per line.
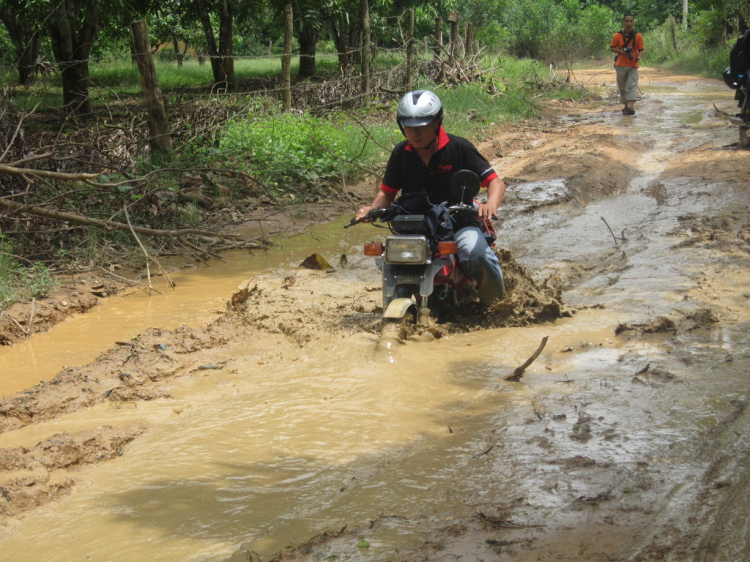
(421,274)
(737,77)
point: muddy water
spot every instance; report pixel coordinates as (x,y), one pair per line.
(200,296)
(268,451)
(264,453)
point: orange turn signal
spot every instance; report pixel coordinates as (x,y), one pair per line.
(446,248)
(374,249)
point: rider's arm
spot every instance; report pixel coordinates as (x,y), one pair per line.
(495,193)
(382,200)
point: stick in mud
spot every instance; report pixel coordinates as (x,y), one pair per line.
(518,373)
(610,231)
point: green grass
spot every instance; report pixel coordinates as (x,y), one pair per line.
(18,283)
(122,75)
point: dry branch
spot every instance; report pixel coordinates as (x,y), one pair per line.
(518,373)
(111,225)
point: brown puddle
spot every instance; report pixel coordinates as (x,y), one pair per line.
(273,447)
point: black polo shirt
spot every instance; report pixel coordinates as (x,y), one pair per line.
(407,173)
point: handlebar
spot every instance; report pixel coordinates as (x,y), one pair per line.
(458,212)
(371,215)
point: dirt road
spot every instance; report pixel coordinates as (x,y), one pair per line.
(284,430)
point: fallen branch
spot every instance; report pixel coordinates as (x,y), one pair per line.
(145,253)
(721,112)
(14,171)
(24,330)
(31,317)
(518,373)
(612,233)
(111,225)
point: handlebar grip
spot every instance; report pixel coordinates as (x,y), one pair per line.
(371,215)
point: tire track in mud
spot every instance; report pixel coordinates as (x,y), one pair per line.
(704,516)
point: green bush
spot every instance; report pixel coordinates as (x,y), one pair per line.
(292,149)
(684,51)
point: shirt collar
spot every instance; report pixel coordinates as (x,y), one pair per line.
(442,140)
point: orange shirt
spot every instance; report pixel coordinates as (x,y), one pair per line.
(618,42)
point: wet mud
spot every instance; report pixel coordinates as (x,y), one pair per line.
(624,242)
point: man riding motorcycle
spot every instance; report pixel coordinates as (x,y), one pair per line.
(425,162)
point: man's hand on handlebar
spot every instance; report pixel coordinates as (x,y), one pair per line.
(366,214)
(361,215)
(485,211)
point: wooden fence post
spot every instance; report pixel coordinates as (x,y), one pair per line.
(159,134)
(409,52)
(438,35)
(286,61)
(453,19)
(365,8)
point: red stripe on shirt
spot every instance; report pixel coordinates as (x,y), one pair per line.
(489,178)
(387,189)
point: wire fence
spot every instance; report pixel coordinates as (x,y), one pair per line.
(198,114)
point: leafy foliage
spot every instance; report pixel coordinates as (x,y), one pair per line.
(286,149)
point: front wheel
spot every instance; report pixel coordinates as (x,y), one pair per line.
(745,116)
(400,328)
(744,138)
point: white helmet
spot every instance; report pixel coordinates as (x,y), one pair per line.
(418,108)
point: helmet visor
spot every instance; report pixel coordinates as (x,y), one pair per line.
(416,121)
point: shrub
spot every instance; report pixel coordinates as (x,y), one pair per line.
(292,149)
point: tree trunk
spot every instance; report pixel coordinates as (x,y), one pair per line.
(213,51)
(179,54)
(337,25)
(365,12)
(226,17)
(286,61)
(410,52)
(26,40)
(222,62)
(71,42)
(308,39)
(158,121)
(438,35)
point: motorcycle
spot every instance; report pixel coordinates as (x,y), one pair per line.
(737,77)
(418,261)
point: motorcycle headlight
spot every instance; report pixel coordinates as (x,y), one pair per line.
(406,249)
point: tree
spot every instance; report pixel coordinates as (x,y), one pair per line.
(22,24)
(342,19)
(309,21)
(222,55)
(73,27)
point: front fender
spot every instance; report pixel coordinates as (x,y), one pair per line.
(398,308)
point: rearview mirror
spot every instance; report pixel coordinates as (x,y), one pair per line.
(464,186)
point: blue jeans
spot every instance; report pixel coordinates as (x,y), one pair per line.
(479,262)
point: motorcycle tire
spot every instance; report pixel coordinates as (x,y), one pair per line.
(400,328)
(745,115)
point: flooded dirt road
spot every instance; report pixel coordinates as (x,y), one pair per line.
(282,429)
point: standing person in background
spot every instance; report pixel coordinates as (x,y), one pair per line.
(628,46)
